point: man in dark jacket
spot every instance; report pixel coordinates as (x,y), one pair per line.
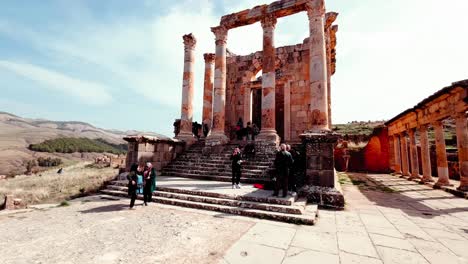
(236,164)
(294,168)
(283,162)
(132,184)
(149,179)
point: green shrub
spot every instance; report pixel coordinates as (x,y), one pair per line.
(70,145)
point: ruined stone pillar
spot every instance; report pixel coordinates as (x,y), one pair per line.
(217,136)
(425,155)
(404,155)
(442,164)
(329,30)
(318,66)
(268,130)
(208,90)
(187,90)
(462,144)
(414,155)
(397,148)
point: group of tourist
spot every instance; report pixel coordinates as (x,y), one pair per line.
(141,179)
(249,132)
(285,169)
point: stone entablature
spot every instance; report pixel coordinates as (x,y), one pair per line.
(159,151)
(445,103)
(450,102)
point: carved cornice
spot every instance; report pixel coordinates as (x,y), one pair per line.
(190,41)
(220,33)
(269,21)
(315,8)
(209,57)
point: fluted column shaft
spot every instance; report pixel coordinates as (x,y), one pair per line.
(413,154)
(425,155)
(462,144)
(187,88)
(404,155)
(268,130)
(208,90)
(397,148)
(217,135)
(442,164)
(318,66)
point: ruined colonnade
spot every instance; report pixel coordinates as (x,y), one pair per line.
(450,102)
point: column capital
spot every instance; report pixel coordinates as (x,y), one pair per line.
(460,115)
(221,33)
(411,132)
(403,134)
(209,57)
(423,128)
(268,21)
(330,17)
(315,8)
(189,41)
(437,123)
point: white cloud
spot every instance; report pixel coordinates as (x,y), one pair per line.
(88,92)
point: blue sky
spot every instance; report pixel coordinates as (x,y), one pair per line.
(118,64)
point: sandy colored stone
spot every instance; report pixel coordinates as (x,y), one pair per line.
(398,256)
(317,241)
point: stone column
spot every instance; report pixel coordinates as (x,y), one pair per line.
(442,164)
(187,90)
(330,18)
(287,111)
(397,148)
(414,155)
(217,136)
(404,155)
(425,155)
(318,66)
(208,90)
(462,144)
(268,130)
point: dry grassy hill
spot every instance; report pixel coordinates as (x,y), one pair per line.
(17,133)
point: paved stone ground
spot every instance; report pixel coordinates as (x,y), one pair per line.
(387,220)
(93,230)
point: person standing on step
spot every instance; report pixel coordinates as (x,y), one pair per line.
(283,162)
(236,159)
(132,184)
(149,176)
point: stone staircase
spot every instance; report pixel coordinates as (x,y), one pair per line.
(288,209)
(217,166)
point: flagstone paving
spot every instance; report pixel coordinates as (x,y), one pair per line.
(387,220)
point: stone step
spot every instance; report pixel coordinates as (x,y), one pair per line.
(309,218)
(216,178)
(227,162)
(212,169)
(245,173)
(216,167)
(270,200)
(223,201)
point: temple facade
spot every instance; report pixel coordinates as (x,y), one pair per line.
(292,95)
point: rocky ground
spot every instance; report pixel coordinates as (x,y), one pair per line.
(387,220)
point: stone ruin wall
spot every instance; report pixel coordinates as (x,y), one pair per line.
(292,70)
(159,153)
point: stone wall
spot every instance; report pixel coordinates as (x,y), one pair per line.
(292,70)
(160,152)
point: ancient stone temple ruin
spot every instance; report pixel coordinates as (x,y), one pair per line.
(290,102)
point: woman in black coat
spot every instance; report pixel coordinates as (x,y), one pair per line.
(132,184)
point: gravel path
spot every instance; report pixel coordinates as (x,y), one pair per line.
(95,230)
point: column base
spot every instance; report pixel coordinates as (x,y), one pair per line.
(187,137)
(463,188)
(442,183)
(415,178)
(427,179)
(328,197)
(216,138)
(266,143)
(320,163)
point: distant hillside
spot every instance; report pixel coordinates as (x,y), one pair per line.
(18,133)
